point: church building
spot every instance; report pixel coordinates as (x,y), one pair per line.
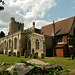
(56,39)
(19,40)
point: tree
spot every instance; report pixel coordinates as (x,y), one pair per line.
(2,34)
(1,7)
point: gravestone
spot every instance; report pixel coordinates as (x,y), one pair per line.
(18,54)
(14,54)
(26,54)
(42,56)
(20,69)
(30,55)
(36,54)
(9,53)
(72,57)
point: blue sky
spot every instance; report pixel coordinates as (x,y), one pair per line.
(63,9)
(43,12)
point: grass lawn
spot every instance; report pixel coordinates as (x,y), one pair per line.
(66,63)
(10,59)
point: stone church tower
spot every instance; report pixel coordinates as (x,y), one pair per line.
(15,26)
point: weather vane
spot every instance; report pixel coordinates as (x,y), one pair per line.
(1,7)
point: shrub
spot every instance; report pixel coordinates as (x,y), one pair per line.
(4,73)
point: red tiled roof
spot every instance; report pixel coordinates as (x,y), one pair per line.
(61,27)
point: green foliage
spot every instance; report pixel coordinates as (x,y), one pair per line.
(15,72)
(2,34)
(33,64)
(36,71)
(4,67)
(34,56)
(23,61)
(27,64)
(4,73)
(39,71)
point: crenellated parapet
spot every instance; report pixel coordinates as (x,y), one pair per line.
(19,23)
(15,26)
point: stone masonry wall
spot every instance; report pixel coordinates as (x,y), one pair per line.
(42,49)
(4,43)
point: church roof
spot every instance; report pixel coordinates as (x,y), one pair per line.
(61,27)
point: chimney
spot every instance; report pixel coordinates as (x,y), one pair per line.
(33,26)
(53,29)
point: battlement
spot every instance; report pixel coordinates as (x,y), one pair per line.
(29,30)
(15,22)
(18,23)
(15,26)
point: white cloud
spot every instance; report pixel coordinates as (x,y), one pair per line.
(40,23)
(25,11)
(59,19)
(3,24)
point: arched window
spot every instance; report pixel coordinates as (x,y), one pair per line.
(5,44)
(37,44)
(9,44)
(15,43)
(29,45)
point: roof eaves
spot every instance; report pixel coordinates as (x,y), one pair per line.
(72,24)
